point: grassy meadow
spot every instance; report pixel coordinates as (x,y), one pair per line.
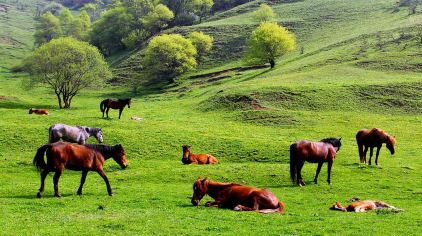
(356,72)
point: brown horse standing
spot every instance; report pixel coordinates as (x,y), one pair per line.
(38,111)
(76,157)
(373,138)
(189,158)
(314,152)
(120,104)
(236,197)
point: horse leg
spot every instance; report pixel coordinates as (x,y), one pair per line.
(108,108)
(371,151)
(364,154)
(102,174)
(299,175)
(317,172)
(84,173)
(120,112)
(378,153)
(44,174)
(330,164)
(255,206)
(56,182)
(360,149)
(215,203)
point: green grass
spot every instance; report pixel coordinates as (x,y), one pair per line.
(342,83)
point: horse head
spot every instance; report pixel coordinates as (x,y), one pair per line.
(129,102)
(30,111)
(119,156)
(337,207)
(96,132)
(200,188)
(333,141)
(391,141)
(186,151)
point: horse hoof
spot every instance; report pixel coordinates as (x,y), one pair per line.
(58,195)
(110,194)
(39,195)
(237,208)
(79,193)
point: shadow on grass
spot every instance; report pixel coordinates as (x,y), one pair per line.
(255,75)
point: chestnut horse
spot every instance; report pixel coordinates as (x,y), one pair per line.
(76,157)
(314,152)
(189,158)
(236,197)
(373,138)
(120,104)
(38,111)
(363,206)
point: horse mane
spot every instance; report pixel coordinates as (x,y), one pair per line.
(101,148)
(333,141)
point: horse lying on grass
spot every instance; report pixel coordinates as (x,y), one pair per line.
(38,111)
(83,158)
(363,206)
(314,152)
(373,138)
(78,134)
(236,197)
(189,158)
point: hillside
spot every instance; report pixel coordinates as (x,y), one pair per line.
(361,67)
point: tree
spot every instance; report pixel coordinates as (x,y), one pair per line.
(264,13)
(67,65)
(107,33)
(268,42)
(201,7)
(47,29)
(158,18)
(169,55)
(201,41)
(66,20)
(183,8)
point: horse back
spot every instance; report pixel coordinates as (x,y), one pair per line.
(371,138)
(74,157)
(203,159)
(314,151)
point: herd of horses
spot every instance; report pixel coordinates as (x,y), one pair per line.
(75,154)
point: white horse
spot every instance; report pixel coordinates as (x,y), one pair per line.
(78,134)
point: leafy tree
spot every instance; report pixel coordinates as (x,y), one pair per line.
(67,65)
(66,19)
(268,42)
(158,18)
(53,7)
(85,24)
(114,25)
(264,13)
(201,41)
(201,7)
(182,9)
(47,29)
(169,55)
(135,37)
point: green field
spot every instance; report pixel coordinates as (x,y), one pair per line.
(356,72)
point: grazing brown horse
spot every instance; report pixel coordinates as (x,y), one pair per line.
(76,157)
(314,152)
(120,104)
(236,197)
(189,158)
(38,111)
(363,206)
(373,138)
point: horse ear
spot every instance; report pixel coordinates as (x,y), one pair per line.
(86,129)
(199,177)
(339,139)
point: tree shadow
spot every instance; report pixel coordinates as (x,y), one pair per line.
(20,105)
(255,75)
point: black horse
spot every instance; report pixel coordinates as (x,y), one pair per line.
(314,152)
(120,104)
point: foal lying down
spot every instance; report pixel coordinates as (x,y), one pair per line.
(236,197)
(363,206)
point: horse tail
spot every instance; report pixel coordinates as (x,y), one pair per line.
(50,134)
(102,105)
(39,157)
(293,162)
(360,144)
(280,209)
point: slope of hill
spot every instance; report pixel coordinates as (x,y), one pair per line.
(361,68)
